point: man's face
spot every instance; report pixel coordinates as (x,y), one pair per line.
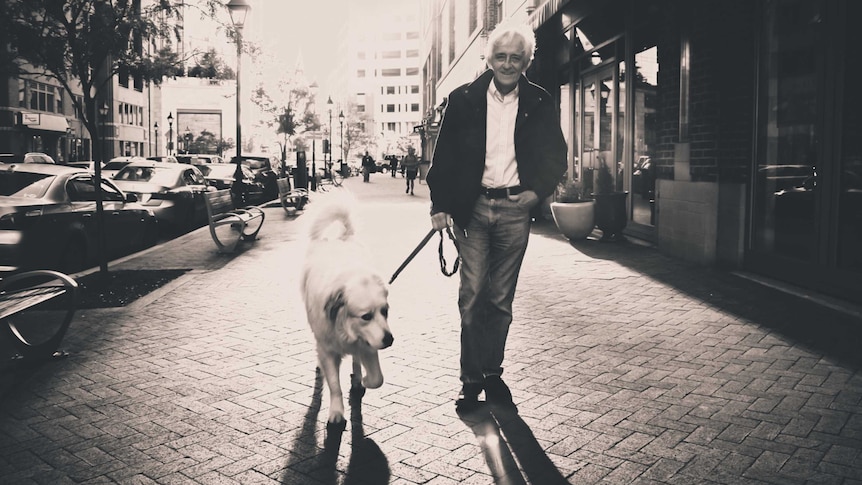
(508,61)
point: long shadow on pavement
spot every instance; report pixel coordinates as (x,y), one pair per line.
(821,329)
(367,463)
(501,432)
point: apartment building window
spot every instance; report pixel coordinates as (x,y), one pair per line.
(473,16)
(43,97)
(451,32)
(79,105)
(391,126)
(412,52)
(390,89)
(391,72)
(412,35)
(411,71)
(414,107)
(390,108)
(392,36)
(123,76)
(414,89)
(360,55)
(360,108)
(391,55)
(360,73)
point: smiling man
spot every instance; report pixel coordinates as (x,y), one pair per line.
(500,151)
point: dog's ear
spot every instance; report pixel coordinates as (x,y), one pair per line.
(333,304)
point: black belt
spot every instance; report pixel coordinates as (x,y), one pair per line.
(501,193)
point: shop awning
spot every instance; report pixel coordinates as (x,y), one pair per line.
(44,121)
(545,12)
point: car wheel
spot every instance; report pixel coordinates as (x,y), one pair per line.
(73,257)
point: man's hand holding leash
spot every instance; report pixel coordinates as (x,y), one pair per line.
(440,221)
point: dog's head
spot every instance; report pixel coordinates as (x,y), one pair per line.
(359,311)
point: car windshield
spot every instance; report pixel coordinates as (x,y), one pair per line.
(218,170)
(24,184)
(115,165)
(147,174)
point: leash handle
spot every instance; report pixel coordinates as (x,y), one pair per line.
(457,263)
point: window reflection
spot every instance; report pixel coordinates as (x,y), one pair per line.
(645,136)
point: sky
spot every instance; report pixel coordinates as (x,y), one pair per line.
(283,28)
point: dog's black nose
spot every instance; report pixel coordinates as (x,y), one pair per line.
(387,340)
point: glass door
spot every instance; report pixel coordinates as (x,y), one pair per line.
(599,145)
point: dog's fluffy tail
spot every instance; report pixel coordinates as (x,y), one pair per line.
(332,220)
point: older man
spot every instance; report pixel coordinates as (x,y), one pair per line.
(500,151)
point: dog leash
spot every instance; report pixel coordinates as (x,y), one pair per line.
(442,259)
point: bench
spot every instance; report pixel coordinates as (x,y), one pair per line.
(291,200)
(230,225)
(34,328)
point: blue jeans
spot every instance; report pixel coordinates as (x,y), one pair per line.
(491,254)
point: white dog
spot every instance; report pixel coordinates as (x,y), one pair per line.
(346,303)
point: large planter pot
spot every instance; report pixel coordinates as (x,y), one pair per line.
(575,220)
(611,215)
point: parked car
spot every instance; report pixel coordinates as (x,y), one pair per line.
(47,219)
(31,157)
(173,191)
(199,158)
(116,164)
(781,177)
(262,167)
(165,159)
(85,164)
(221,176)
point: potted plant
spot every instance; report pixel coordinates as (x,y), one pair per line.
(573,214)
(611,217)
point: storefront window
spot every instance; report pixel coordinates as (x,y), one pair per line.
(850,189)
(786,177)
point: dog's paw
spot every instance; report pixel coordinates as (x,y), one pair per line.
(335,416)
(372,382)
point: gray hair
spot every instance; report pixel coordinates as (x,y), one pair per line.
(505,31)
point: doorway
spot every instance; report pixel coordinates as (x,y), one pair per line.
(601,139)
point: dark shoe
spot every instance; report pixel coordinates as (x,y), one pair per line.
(498,393)
(468,398)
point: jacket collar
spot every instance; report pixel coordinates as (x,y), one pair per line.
(478,89)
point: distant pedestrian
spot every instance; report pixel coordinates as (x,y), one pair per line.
(500,151)
(393,165)
(368,166)
(411,169)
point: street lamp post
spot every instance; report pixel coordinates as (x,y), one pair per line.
(329,110)
(158,140)
(341,122)
(238,10)
(170,133)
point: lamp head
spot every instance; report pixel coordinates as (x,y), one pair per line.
(238,10)
(341,116)
(170,117)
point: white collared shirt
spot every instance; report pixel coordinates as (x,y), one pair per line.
(501,169)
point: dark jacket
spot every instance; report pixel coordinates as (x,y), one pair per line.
(455,176)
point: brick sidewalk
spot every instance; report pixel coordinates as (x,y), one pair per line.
(627,367)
